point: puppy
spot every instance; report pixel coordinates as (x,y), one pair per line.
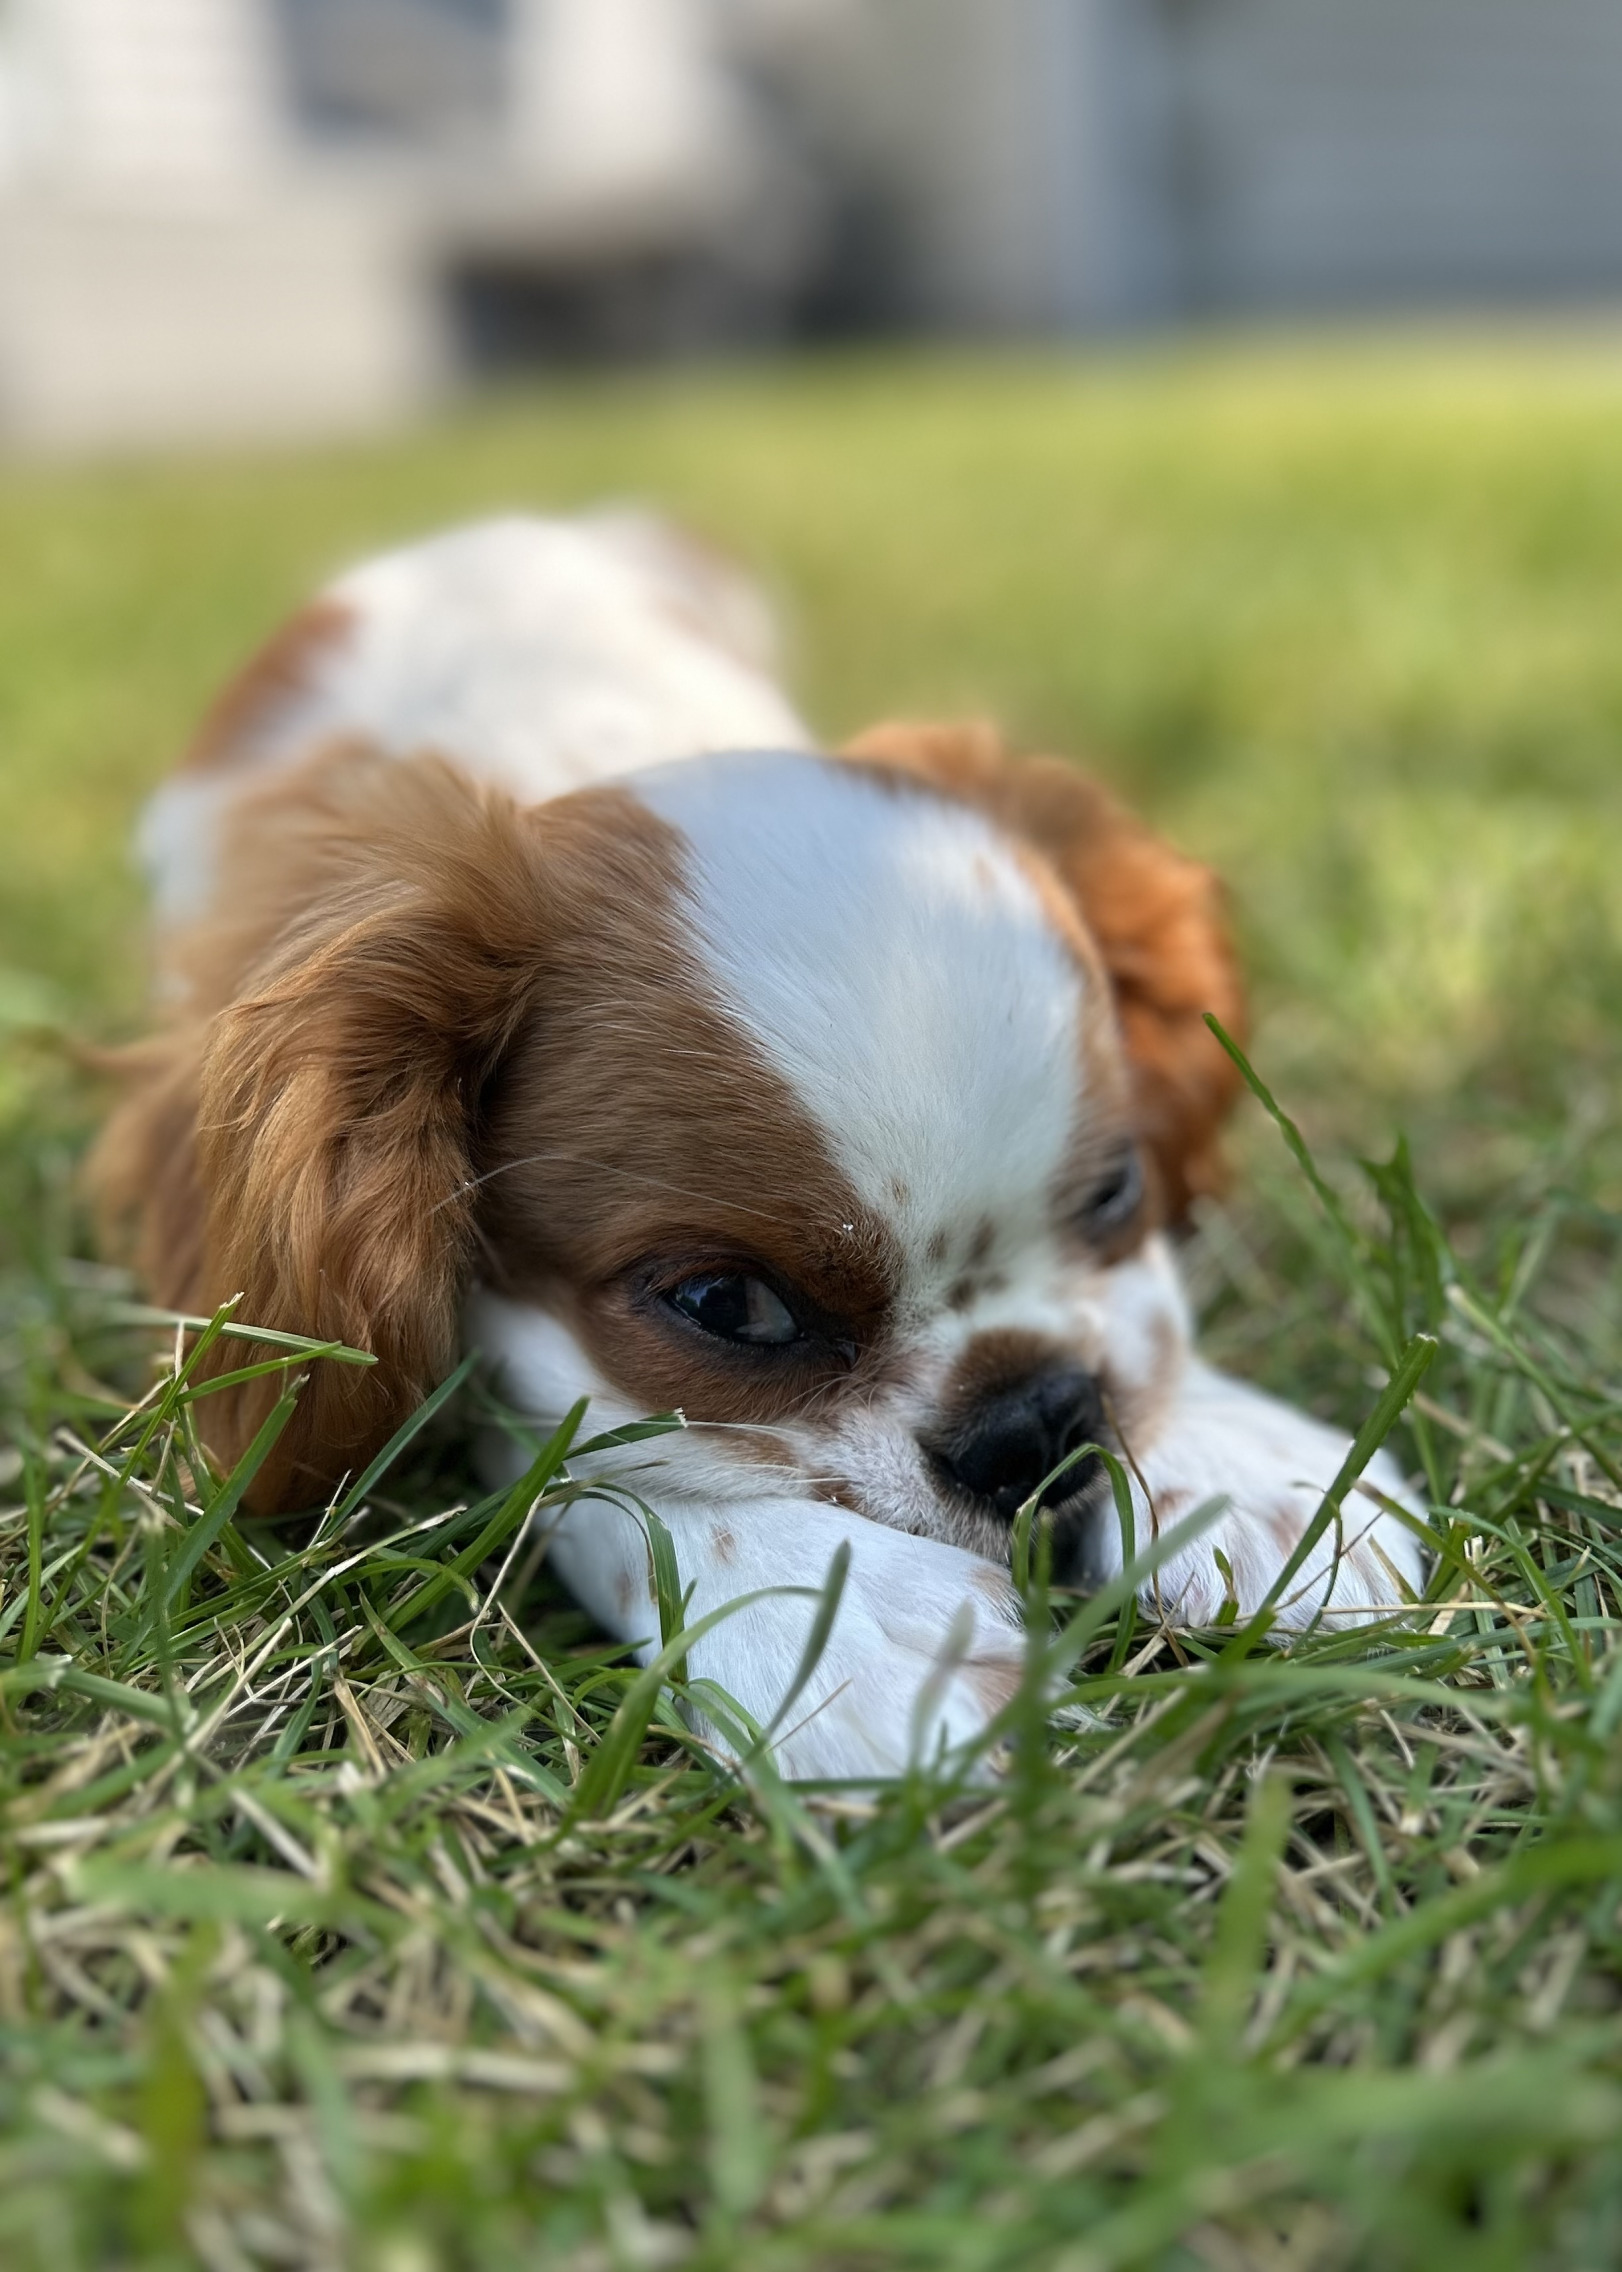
(532,981)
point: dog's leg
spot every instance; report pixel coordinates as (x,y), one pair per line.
(926,1646)
(1272,1465)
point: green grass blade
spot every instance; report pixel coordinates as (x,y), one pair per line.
(1410,1371)
(1348,1243)
(224,1325)
(816,1641)
(401,1440)
(203,1535)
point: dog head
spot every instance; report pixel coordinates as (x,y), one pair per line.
(836,1102)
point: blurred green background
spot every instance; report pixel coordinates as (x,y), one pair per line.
(1344,617)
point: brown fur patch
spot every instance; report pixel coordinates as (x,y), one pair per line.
(635,1136)
(431,1027)
(725,1545)
(1156,917)
(281,671)
(302,1136)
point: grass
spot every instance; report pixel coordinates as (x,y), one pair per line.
(363,1908)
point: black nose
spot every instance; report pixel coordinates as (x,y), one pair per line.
(1002,1448)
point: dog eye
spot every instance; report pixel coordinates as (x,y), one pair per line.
(1115,1199)
(735,1308)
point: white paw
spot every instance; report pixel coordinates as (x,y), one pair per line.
(927,1647)
(1272,1465)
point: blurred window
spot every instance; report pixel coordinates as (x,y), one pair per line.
(415,73)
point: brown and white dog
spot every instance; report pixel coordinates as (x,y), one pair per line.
(534,982)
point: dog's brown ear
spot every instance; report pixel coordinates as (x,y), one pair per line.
(1157,918)
(307,1145)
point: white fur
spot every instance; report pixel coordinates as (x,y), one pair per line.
(922,1653)
(926,1014)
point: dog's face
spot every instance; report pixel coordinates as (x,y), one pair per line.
(833,1102)
(825,1134)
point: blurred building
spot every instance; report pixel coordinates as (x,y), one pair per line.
(240,217)
(1058,164)
(226,217)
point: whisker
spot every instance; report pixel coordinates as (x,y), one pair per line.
(739,1427)
(606,1167)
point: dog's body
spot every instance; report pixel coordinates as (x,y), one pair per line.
(679,1065)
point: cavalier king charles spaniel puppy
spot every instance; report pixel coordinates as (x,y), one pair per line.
(532,981)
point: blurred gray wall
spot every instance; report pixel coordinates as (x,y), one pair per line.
(1324,154)
(1056,164)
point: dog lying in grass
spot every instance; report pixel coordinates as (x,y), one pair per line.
(531,981)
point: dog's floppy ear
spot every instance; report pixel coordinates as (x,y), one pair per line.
(308,1144)
(1157,918)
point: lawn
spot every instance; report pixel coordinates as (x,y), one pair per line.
(362,1908)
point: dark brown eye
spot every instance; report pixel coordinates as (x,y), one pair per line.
(733,1307)
(1115,1198)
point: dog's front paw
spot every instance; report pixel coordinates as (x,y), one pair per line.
(1271,1465)
(927,1647)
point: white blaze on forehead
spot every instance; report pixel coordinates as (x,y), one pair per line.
(894,960)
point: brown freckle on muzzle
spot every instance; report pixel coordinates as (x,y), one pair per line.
(964,1292)
(725,1545)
